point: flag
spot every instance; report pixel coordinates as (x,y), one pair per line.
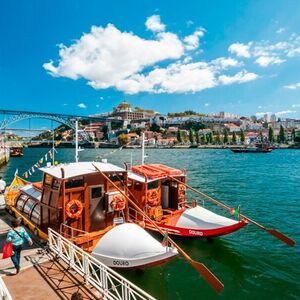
(26,174)
(46,156)
(32,169)
(29,172)
(16,172)
(234,211)
(164,242)
(41,160)
(50,154)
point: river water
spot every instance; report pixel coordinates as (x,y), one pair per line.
(251,263)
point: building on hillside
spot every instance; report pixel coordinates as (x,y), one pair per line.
(125,111)
(94,130)
(232,127)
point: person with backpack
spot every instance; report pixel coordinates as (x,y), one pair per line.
(17,236)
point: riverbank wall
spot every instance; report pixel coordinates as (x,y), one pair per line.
(4,156)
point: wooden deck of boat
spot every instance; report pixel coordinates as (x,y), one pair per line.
(41,276)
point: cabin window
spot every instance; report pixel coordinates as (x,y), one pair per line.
(96,191)
(116,177)
(28,206)
(152,185)
(36,214)
(74,183)
(138,186)
(47,180)
(56,184)
(21,201)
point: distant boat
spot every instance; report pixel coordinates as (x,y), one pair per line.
(258,148)
(16,151)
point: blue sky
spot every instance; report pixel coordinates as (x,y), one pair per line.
(209,56)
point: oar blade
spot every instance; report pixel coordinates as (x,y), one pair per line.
(282,237)
(208,275)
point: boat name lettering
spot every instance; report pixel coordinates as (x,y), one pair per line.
(120,263)
(193,232)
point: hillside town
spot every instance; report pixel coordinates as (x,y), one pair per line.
(190,128)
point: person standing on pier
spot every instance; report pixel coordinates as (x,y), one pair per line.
(17,235)
(2,185)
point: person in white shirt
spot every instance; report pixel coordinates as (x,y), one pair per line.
(2,185)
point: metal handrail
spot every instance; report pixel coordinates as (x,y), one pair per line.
(108,282)
(4,293)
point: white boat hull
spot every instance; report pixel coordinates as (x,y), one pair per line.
(129,246)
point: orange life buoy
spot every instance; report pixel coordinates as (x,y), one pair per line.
(181,190)
(74,209)
(152,197)
(118,203)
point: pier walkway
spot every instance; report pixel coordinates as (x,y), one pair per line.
(58,272)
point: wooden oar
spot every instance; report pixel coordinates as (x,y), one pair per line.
(200,267)
(273,232)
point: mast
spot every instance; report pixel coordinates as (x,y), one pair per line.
(76,141)
(143,148)
(53,149)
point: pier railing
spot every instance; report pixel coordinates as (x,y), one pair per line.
(4,293)
(106,281)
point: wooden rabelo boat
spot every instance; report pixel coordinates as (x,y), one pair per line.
(160,191)
(83,205)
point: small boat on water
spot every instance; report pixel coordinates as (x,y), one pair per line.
(16,151)
(258,148)
(80,203)
(160,191)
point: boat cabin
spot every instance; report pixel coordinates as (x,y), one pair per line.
(77,196)
(16,151)
(152,188)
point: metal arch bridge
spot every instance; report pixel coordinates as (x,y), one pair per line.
(69,120)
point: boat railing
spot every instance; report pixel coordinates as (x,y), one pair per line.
(4,293)
(105,280)
(74,234)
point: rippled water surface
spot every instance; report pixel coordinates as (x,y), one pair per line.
(250,263)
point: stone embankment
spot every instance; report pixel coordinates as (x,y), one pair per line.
(4,156)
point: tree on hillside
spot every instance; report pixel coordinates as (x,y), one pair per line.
(234,139)
(154,127)
(242,137)
(197,137)
(218,138)
(282,136)
(271,135)
(293,134)
(225,138)
(179,137)
(191,136)
(204,139)
(210,138)
(123,139)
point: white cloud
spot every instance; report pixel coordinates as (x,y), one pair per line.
(82,105)
(259,106)
(192,41)
(240,49)
(261,114)
(106,55)
(293,86)
(97,105)
(154,24)
(296,105)
(101,98)
(285,112)
(109,58)
(206,104)
(265,61)
(240,77)
(226,62)
(280,30)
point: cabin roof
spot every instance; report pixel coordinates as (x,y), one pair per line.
(153,172)
(80,168)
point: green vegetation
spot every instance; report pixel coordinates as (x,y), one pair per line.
(242,137)
(204,139)
(282,136)
(226,137)
(185,114)
(123,139)
(197,137)
(191,136)
(234,139)
(219,138)
(293,135)
(179,137)
(271,135)
(210,138)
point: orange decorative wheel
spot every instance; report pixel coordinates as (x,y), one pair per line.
(152,197)
(118,203)
(74,209)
